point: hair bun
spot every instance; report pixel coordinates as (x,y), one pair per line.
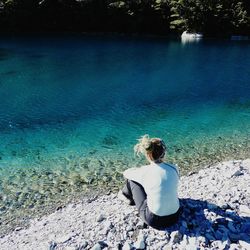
(153,147)
(143,145)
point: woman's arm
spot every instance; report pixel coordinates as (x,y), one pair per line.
(135,174)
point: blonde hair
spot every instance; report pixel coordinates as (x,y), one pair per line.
(153,147)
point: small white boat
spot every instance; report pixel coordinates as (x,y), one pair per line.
(190,37)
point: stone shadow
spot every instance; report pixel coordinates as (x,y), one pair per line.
(201,218)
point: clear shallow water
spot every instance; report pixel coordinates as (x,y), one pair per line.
(71,109)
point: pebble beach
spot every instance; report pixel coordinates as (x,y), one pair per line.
(215,215)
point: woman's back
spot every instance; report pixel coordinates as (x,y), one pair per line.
(161,183)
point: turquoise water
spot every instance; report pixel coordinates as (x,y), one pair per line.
(72,107)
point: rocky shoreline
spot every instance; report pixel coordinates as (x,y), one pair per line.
(216,215)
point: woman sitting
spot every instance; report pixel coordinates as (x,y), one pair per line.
(153,188)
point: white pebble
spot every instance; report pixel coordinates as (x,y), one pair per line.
(97,246)
(244,210)
(140,243)
(126,246)
(244,244)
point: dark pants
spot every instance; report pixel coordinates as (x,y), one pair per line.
(136,194)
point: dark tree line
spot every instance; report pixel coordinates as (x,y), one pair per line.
(211,17)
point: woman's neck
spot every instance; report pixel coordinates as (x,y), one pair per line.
(157,161)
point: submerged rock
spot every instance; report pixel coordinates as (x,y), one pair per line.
(110,140)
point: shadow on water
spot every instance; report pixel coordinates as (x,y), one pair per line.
(4,54)
(201,218)
(36,56)
(36,123)
(110,140)
(9,73)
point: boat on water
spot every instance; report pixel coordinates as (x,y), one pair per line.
(191,37)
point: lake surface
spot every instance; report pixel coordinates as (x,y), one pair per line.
(72,107)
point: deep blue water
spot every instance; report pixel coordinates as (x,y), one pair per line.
(68,103)
(51,80)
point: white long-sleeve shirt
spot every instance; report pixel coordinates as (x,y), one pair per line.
(160,182)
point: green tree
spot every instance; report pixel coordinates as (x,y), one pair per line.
(143,16)
(212,17)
